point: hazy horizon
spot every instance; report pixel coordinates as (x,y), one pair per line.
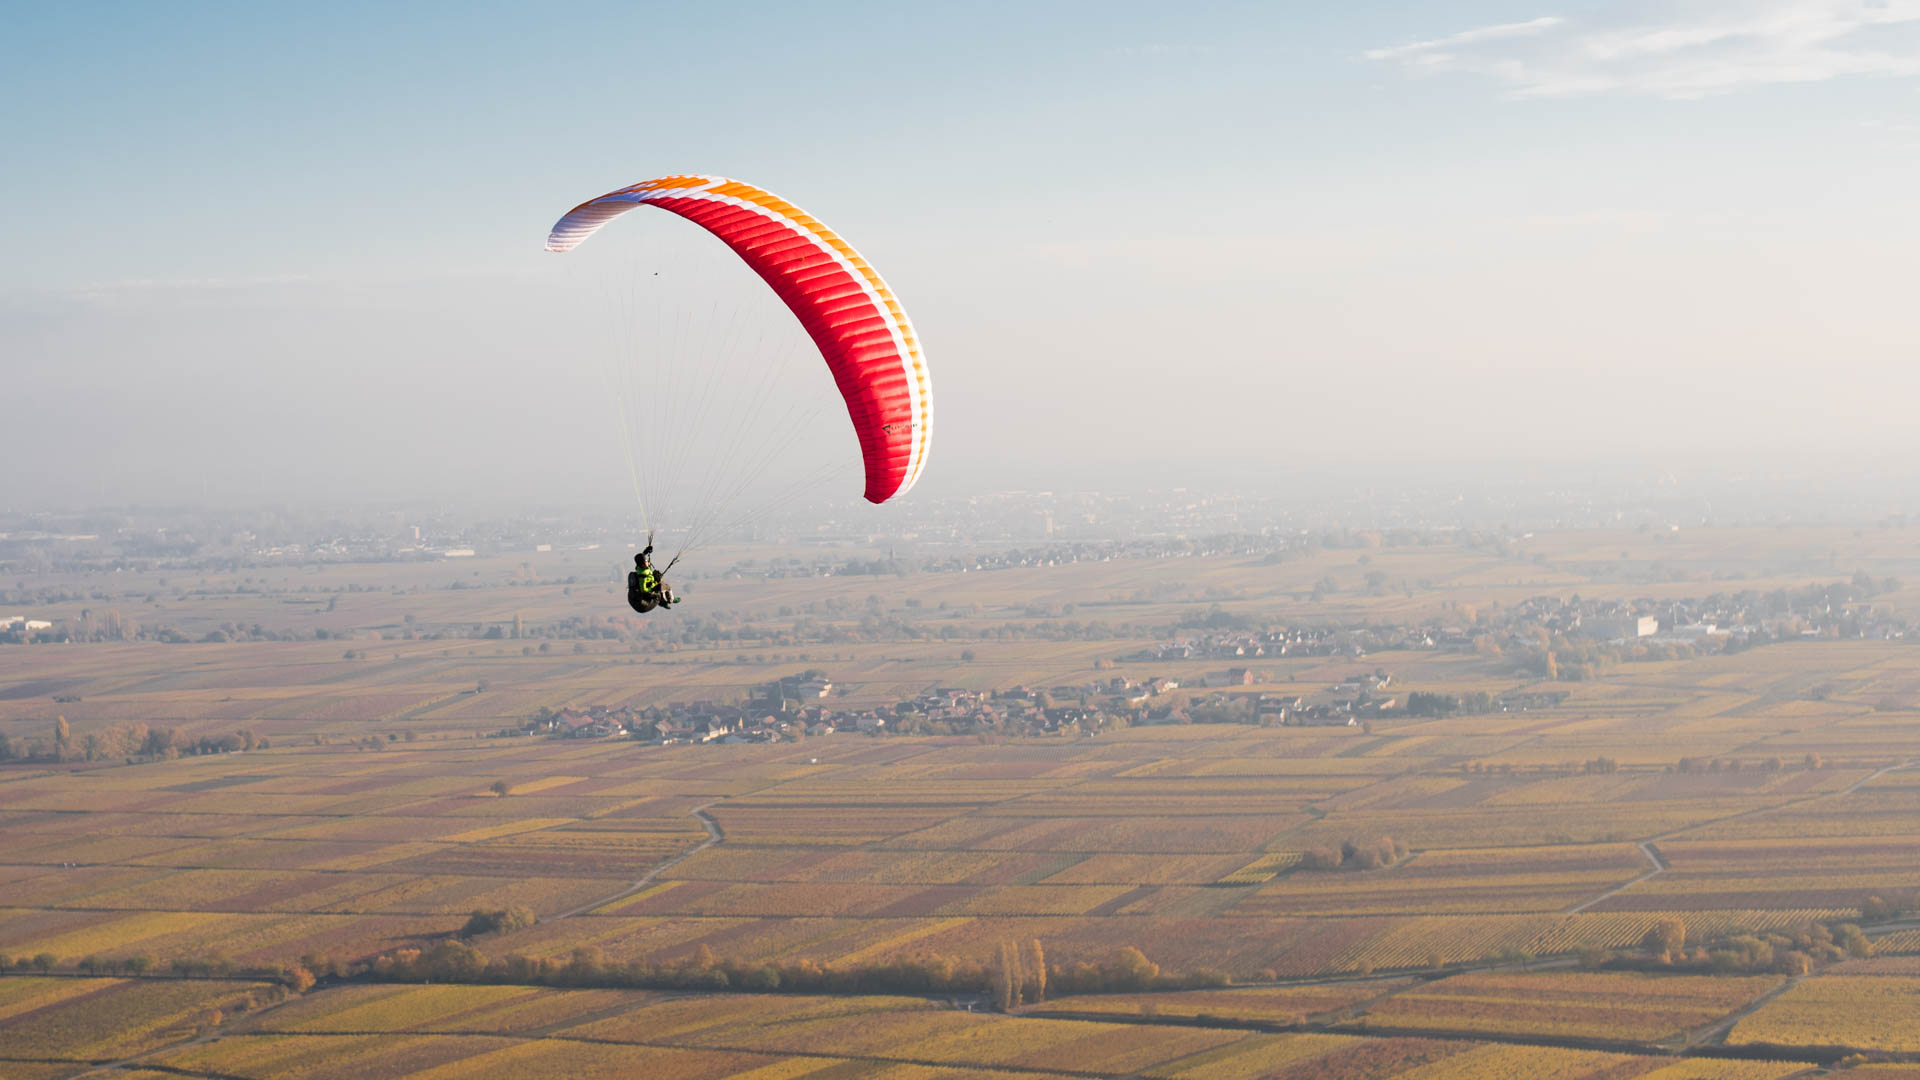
(285,256)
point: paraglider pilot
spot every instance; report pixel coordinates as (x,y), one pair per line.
(646,588)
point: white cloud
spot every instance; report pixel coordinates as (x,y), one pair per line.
(1439,46)
(1701,49)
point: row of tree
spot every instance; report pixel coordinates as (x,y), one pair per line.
(298,978)
(1422,703)
(1793,951)
(1772,764)
(1018,975)
(133,742)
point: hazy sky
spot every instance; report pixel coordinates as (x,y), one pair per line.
(295,250)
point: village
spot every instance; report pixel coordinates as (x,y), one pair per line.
(1540,641)
(793,708)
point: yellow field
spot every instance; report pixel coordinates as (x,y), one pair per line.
(371,824)
(1875,1012)
(86,1019)
(1589,1005)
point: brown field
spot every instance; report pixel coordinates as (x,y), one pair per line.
(1184,841)
(1874,1012)
(108,1018)
(397,1031)
(1594,1005)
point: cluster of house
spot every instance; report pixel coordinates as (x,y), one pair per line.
(1837,610)
(1303,641)
(694,722)
(1714,622)
(793,707)
(1223,645)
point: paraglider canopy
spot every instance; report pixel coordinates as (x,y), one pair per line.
(853,318)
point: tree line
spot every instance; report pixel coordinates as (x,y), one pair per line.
(135,742)
(1795,950)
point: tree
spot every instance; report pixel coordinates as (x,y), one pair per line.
(1849,937)
(1666,938)
(763,977)
(1007,978)
(1321,858)
(160,743)
(1132,970)
(500,787)
(453,961)
(1037,962)
(44,962)
(62,739)
(502,921)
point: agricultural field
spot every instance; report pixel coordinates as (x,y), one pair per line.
(1596,1005)
(1276,1005)
(904,844)
(1872,1012)
(378,808)
(437,1031)
(91,1019)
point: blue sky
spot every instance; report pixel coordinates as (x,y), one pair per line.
(1316,232)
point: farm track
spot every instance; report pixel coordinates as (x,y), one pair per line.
(1715,1034)
(877,1059)
(715,835)
(1705,1042)
(1848,790)
(1865,780)
(90,1068)
(1358,1026)
(1624,1046)
(139,1062)
(1660,865)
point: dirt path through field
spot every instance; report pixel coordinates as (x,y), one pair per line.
(140,1062)
(1715,1034)
(1659,865)
(715,835)
(1865,780)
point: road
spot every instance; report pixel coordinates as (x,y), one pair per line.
(1658,864)
(715,835)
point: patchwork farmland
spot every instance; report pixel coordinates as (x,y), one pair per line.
(1701,866)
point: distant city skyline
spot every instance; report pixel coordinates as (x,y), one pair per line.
(293,254)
